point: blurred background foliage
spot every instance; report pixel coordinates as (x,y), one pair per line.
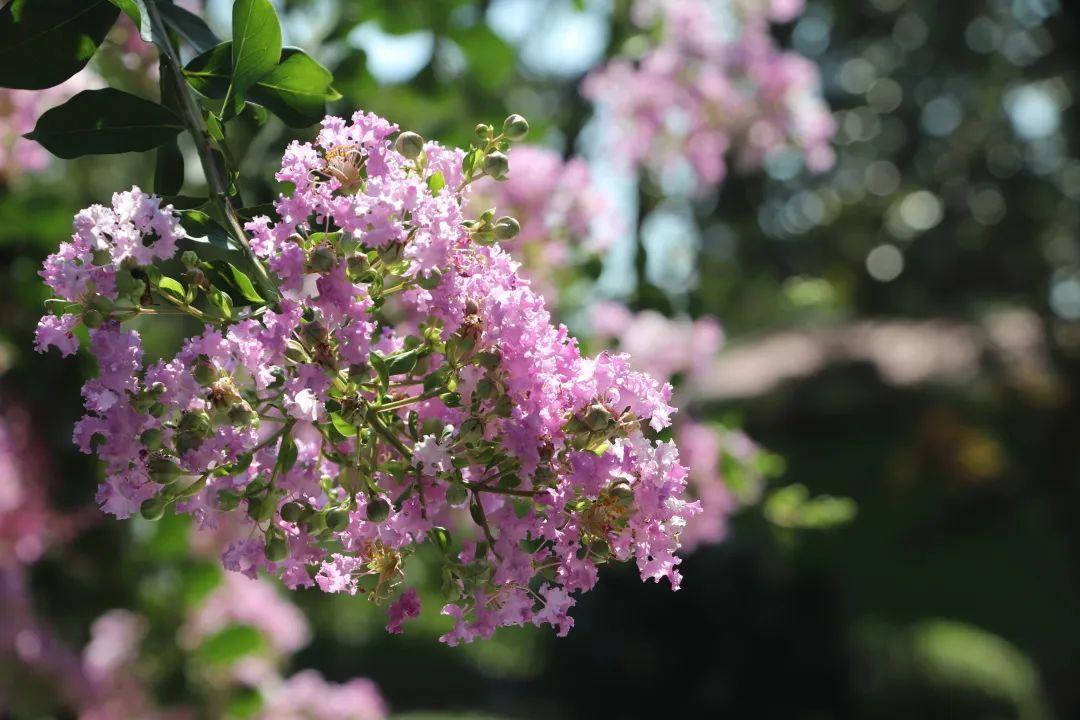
(903,330)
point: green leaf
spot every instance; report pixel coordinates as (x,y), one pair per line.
(103,122)
(286,454)
(436,182)
(296,90)
(236,280)
(171,287)
(231,644)
(792,507)
(256,46)
(136,10)
(343,426)
(44,42)
(169,169)
(221,301)
(201,228)
(189,27)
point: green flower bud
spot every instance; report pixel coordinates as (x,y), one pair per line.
(153,508)
(431,280)
(378,510)
(409,144)
(156,410)
(151,438)
(187,441)
(451,399)
(456,494)
(190,259)
(489,359)
(515,127)
(242,417)
(102,304)
(195,422)
(262,508)
(482,131)
(293,511)
(496,165)
(204,372)
(338,519)
(322,259)
(92,318)
(162,470)
(277,549)
(507,228)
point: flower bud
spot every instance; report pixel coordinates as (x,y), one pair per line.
(482,131)
(515,127)
(378,510)
(293,511)
(100,257)
(151,438)
(262,508)
(204,371)
(322,259)
(441,537)
(409,144)
(351,480)
(456,495)
(153,508)
(489,359)
(338,519)
(92,318)
(190,259)
(242,416)
(277,549)
(228,500)
(507,228)
(185,441)
(163,471)
(195,422)
(431,280)
(497,165)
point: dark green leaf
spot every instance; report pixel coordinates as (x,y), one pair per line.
(169,170)
(102,122)
(296,90)
(201,228)
(236,281)
(44,42)
(256,46)
(189,27)
(286,454)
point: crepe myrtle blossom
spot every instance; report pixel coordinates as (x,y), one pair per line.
(714,83)
(387,380)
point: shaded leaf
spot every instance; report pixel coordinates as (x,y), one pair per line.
(230,645)
(44,42)
(103,122)
(189,27)
(169,169)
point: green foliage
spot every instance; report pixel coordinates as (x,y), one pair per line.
(256,48)
(296,89)
(230,644)
(44,42)
(106,121)
(792,507)
(189,27)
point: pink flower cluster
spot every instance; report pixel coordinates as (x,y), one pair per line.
(682,350)
(715,82)
(564,215)
(396,383)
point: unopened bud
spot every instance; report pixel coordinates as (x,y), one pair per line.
(293,511)
(277,549)
(507,228)
(153,508)
(190,259)
(92,318)
(496,165)
(322,259)
(378,510)
(456,495)
(515,127)
(163,470)
(482,131)
(409,144)
(204,371)
(338,519)
(151,439)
